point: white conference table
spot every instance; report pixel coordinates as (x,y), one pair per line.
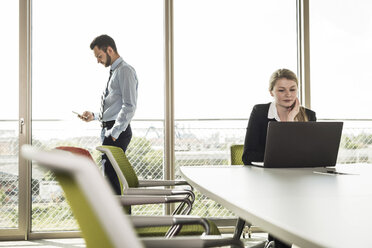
(300,206)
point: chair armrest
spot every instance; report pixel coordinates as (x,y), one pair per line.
(151,199)
(152,183)
(140,191)
(166,192)
(148,199)
(191,241)
(144,191)
(145,221)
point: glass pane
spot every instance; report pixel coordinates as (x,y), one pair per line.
(340,45)
(226,53)
(224,57)
(9,86)
(66,78)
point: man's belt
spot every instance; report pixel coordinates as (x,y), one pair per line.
(108,124)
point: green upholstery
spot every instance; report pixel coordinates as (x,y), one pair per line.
(186,230)
(127,169)
(125,166)
(236,152)
(92,231)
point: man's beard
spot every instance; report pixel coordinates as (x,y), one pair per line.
(108,60)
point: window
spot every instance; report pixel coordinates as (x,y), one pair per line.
(340,46)
(9,86)
(225,52)
(66,78)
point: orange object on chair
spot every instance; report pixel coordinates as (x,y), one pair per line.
(76,150)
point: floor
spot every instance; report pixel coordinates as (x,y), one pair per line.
(50,243)
(45,243)
(77,243)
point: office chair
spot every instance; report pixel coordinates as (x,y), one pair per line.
(236,153)
(130,183)
(99,214)
(151,231)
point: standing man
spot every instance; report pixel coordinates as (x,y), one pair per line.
(118,102)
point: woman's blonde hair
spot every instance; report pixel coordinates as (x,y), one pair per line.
(290,75)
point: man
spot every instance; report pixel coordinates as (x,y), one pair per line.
(118,102)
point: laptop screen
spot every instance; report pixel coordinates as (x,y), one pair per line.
(302,144)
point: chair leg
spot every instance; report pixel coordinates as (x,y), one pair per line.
(239,228)
(249,232)
(270,244)
(173,231)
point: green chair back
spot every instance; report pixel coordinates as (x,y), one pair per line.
(125,166)
(92,231)
(236,152)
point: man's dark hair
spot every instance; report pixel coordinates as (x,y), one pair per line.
(102,42)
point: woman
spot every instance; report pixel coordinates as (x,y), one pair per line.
(285,107)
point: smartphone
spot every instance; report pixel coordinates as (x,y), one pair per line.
(79,115)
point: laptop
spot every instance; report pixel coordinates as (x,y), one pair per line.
(301,144)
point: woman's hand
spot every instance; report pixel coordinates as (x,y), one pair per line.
(293,111)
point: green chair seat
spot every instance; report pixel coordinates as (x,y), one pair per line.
(185,230)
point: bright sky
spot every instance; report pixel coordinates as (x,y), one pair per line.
(223,55)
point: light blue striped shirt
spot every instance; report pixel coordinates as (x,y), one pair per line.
(121,101)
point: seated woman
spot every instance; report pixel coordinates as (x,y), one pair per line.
(285,107)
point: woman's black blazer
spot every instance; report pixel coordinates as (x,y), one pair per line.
(255,137)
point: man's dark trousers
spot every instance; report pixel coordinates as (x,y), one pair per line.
(122,141)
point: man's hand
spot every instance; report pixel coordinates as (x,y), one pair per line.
(108,133)
(87,116)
